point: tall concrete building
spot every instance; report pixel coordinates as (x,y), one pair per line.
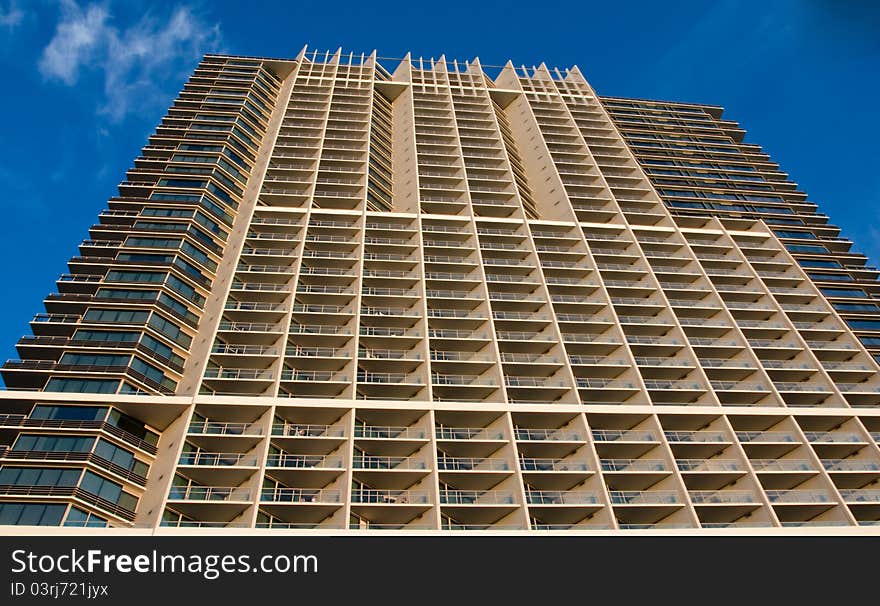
(343,293)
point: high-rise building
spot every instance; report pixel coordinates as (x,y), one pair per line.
(340,292)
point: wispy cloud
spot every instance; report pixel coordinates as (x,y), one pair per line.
(133,59)
(11,17)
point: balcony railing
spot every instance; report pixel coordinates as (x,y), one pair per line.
(860,495)
(698,436)
(218,459)
(707,497)
(390,497)
(561,497)
(782,465)
(306,430)
(468,433)
(544,464)
(765,436)
(472,464)
(797,495)
(477,497)
(624,435)
(300,495)
(709,465)
(208,493)
(389,432)
(644,497)
(222,428)
(633,465)
(551,435)
(301,461)
(389,463)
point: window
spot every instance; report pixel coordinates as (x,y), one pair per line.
(31,514)
(864,324)
(831,277)
(117,336)
(856,307)
(124,293)
(120,316)
(135,276)
(120,456)
(170,330)
(152,373)
(105,489)
(39,476)
(818,263)
(54,443)
(682,204)
(84,359)
(81,518)
(82,385)
(69,413)
(806,248)
(843,292)
(132,426)
(804,235)
(870,341)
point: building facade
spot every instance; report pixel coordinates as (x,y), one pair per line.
(339,293)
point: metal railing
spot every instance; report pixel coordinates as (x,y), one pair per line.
(472,464)
(307,430)
(477,497)
(624,435)
(389,463)
(709,465)
(561,497)
(644,497)
(468,433)
(302,461)
(390,497)
(300,495)
(633,465)
(208,493)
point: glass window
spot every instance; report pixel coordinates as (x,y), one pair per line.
(818,263)
(69,413)
(856,307)
(804,235)
(52,443)
(806,248)
(81,518)
(843,292)
(82,385)
(831,277)
(31,514)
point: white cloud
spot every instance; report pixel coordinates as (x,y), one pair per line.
(132,59)
(77,38)
(11,17)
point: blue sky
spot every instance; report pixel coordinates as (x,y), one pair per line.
(87,82)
